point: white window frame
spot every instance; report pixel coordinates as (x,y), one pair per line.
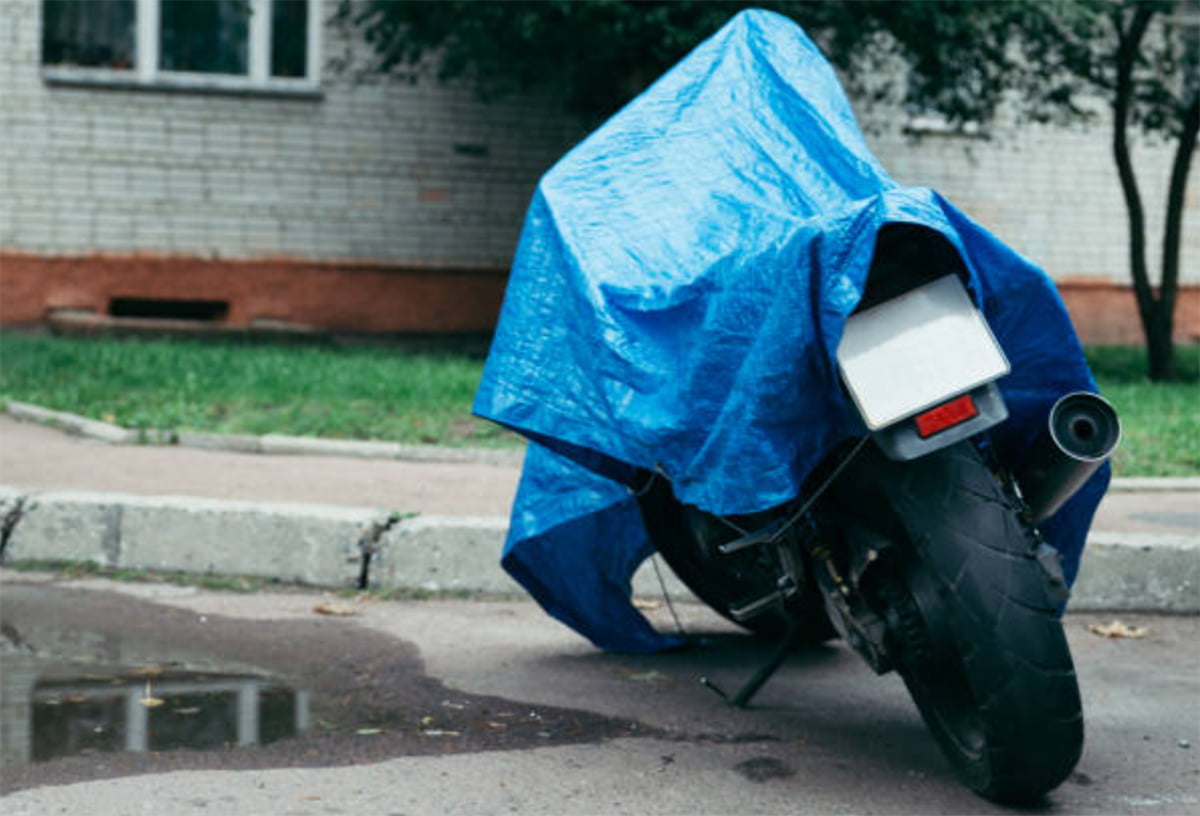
(147,74)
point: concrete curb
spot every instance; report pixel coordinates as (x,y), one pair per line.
(1161,484)
(309,544)
(1139,573)
(320,545)
(267,444)
(339,546)
(71,423)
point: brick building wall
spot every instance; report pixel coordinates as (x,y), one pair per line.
(420,187)
(388,206)
(1050,192)
(1053,194)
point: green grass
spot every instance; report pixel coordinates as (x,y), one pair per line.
(1160,421)
(417,395)
(373,392)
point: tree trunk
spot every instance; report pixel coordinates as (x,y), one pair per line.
(1155,319)
(1164,316)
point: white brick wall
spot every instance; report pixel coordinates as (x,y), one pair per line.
(238,176)
(371,172)
(1050,192)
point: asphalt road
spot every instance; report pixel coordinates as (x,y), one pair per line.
(631,734)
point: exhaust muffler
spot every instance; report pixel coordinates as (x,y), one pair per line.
(1081,433)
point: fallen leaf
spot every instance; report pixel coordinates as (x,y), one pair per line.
(148,671)
(338,609)
(148,700)
(311,797)
(437,732)
(368,732)
(1118,629)
(427,720)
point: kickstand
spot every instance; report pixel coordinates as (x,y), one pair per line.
(755,683)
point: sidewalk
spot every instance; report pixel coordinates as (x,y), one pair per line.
(470,707)
(336,520)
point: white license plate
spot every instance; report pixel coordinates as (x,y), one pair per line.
(917,350)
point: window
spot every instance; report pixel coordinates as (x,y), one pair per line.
(97,34)
(213,44)
(206,38)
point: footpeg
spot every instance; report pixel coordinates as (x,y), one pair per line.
(759,537)
(747,611)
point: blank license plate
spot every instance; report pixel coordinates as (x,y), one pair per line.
(915,351)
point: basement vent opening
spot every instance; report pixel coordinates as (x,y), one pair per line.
(169,309)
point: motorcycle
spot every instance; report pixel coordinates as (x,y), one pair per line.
(835,404)
(914,544)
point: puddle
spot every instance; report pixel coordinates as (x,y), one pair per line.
(148,708)
(96,684)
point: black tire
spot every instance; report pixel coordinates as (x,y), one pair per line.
(973,622)
(687,540)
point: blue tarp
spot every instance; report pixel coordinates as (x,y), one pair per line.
(675,302)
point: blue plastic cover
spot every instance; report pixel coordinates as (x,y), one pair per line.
(676,300)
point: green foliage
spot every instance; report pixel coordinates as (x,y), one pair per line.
(1160,421)
(357,393)
(1123,365)
(595,54)
(1051,60)
(387,393)
(958,58)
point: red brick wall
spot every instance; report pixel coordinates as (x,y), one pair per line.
(388,298)
(334,296)
(1105,314)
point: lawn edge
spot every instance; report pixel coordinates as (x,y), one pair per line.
(273,444)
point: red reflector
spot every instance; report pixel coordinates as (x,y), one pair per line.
(946,415)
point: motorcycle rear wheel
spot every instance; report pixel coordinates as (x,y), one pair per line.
(974,627)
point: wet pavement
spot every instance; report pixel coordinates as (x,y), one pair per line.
(468,707)
(117,685)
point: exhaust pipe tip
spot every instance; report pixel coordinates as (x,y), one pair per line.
(1085,426)
(1081,433)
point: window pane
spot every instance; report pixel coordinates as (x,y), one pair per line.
(207,36)
(89,33)
(289,37)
